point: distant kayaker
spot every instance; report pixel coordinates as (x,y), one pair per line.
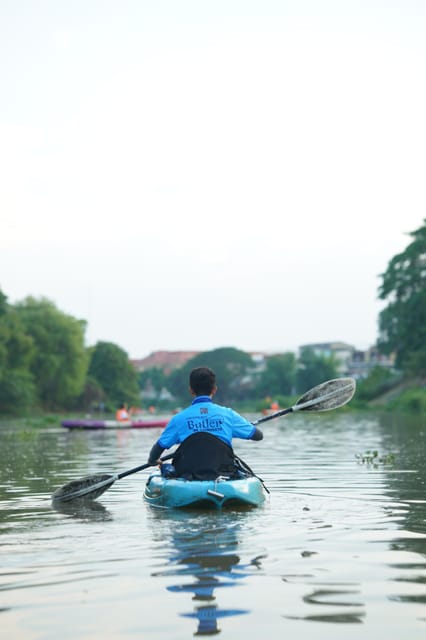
(122,415)
(204,431)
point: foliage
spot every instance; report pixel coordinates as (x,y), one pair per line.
(378,381)
(402,324)
(415,363)
(110,367)
(59,363)
(279,376)
(44,362)
(17,389)
(314,369)
(264,405)
(153,377)
(93,395)
(372,458)
(231,367)
(3,303)
(409,401)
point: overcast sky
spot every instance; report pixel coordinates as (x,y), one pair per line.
(197,174)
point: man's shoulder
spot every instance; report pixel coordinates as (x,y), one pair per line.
(219,408)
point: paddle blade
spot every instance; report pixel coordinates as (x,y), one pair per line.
(88,488)
(327,395)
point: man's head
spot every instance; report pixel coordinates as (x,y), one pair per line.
(202,381)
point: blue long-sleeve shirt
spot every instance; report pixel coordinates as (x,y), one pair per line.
(203,415)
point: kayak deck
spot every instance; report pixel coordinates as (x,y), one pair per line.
(177,493)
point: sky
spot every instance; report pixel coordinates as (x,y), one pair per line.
(194,174)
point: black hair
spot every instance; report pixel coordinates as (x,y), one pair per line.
(202,381)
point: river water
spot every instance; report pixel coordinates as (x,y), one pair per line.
(339,547)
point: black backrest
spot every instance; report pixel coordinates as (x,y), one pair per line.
(203,456)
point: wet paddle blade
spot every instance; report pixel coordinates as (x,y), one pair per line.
(328,395)
(88,488)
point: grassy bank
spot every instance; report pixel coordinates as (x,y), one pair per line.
(403,396)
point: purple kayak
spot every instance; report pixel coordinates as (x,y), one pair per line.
(114,424)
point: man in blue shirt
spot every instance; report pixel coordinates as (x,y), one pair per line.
(206,429)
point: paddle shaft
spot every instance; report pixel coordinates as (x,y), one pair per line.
(123,474)
(272,416)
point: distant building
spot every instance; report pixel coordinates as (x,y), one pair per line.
(351,361)
(165,360)
(342,352)
(169,360)
(364,361)
(259,359)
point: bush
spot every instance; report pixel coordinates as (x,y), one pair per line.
(410,401)
(379,381)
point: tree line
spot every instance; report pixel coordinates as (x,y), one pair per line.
(45,364)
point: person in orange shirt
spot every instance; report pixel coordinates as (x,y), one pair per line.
(122,414)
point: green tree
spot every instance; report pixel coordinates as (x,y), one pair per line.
(110,366)
(279,376)
(17,390)
(231,367)
(154,377)
(59,363)
(402,324)
(92,396)
(378,381)
(3,303)
(314,369)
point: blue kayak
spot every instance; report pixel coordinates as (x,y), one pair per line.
(177,493)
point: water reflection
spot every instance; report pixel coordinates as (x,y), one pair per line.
(204,549)
(211,572)
(86,511)
(331,618)
(335,598)
(331,597)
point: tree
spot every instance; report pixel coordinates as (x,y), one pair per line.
(93,396)
(59,363)
(402,324)
(17,389)
(279,376)
(153,377)
(314,369)
(110,366)
(3,303)
(230,366)
(378,381)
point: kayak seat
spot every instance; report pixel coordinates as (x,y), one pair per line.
(203,456)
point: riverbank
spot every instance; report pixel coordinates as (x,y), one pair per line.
(409,396)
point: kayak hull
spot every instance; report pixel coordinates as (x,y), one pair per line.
(177,493)
(114,424)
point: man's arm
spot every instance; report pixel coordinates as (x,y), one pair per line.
(155,453)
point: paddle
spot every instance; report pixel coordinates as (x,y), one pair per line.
(91,487)
(324,397)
